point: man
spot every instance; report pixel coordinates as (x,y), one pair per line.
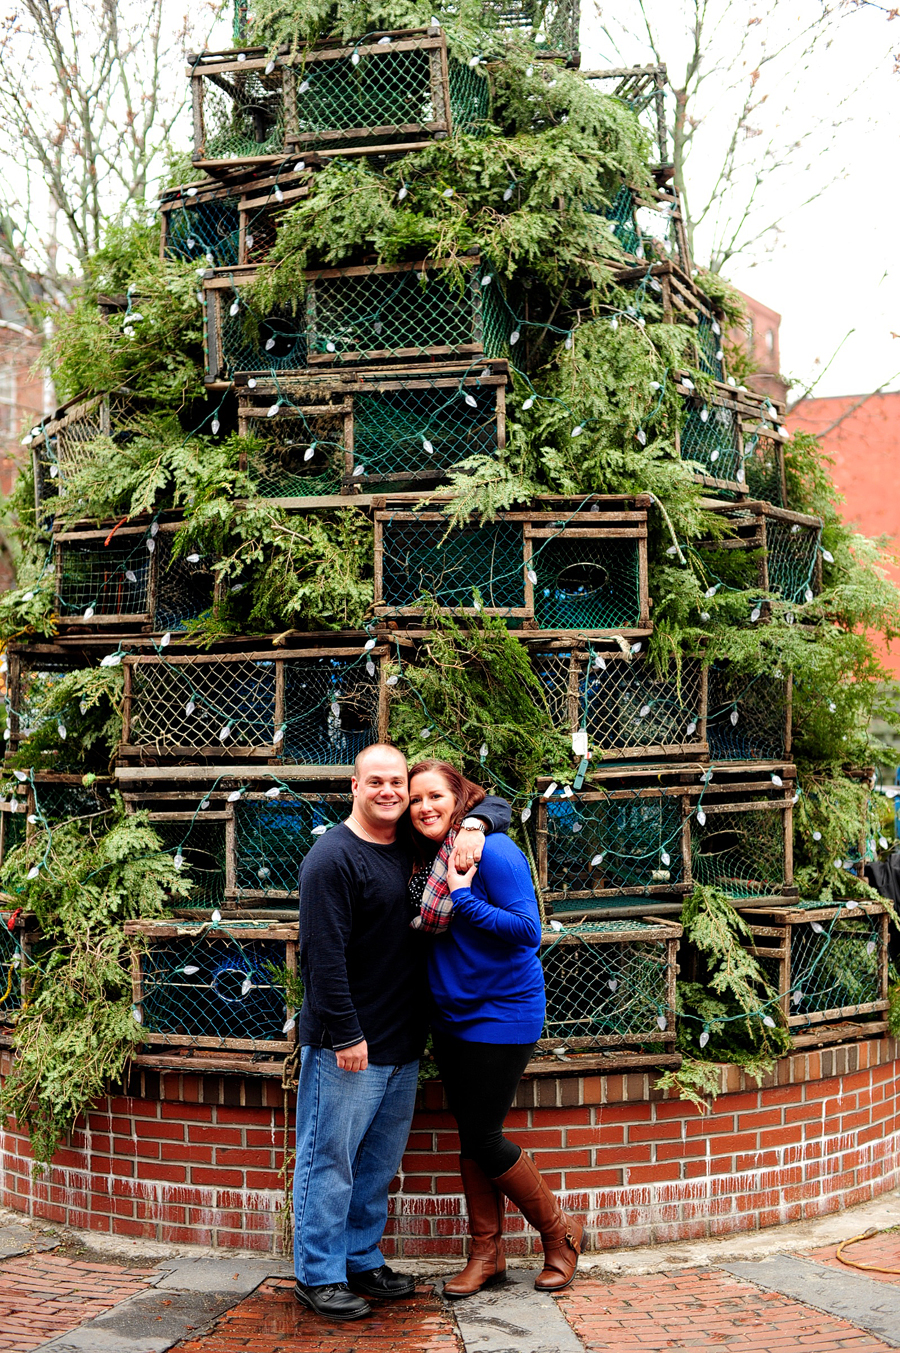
(362,1030)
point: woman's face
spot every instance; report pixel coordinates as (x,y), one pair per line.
(431,804)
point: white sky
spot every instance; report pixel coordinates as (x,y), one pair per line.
(834,266)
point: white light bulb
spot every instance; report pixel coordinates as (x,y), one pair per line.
(270,343)
(733,716)
(279,195)
(246,986)
(330,347)
(216,916)
(89,613)
(215,426)
(427,446)
(279,736)
(270,66)
(644,711)
(131,575)
(577,431)
(136,1015)
(828,556)
(273,792)
(233,796)
(598,859)
(704,1038)
(193,558)
(550,790)
(318,831)
(448,192)
(514,338)
(816,928)
(599,663)
(614,323)
(883,842)
(755,613)
(62,731)
(234,308)
(701,817)
(486,280)
(154,529)
(525,814)
(204,803)
(662,1021)
(641,436)
(711,591)
(507,193)
(189,969)
(272,410)
(871,946)
(704,615)
(777,780)
(528,402)
(299,166)
(768,1021)
(392,681)
(839,864)
(483,751)
(666,857)
(655,385)
(636,648)
(178,860)
(189,708)
(289,1025)
(165,641)
(404,192)
(225,732)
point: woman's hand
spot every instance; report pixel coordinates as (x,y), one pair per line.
(454,878)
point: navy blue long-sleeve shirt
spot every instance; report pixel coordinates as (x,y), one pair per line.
(363,968)
(487,984)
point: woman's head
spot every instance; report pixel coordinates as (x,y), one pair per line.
(439,798)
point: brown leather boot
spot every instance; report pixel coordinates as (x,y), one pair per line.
(486,1205)
(561,1235)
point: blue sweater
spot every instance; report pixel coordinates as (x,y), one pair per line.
(486,981)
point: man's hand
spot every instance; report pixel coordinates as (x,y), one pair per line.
(355,1058)
(467,851)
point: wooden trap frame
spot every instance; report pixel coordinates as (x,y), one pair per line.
(735,440)
(230,225)
(683,302)
(829,964)
(317,705)
(564,564)
(789,543)
(216,987)
(61,443)
(129,577)
(345,432)
(610,990)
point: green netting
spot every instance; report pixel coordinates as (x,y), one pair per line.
(470,99)
(595,844)
(208,229)
(35,685)
(597,987)
(404,434)
(14,827)
(411,313)
(185,585)
(60,803)
(200,847)
(296,454)
(791,557)
(553,27)
(740,852)
(425,557)
(111,579)
(709,347)
(624,226)
(835,966)
(11,960)
(747,716)
(762,470)
(261,232)
(242,113)
(330,706)
(586,584)
(622,704)
(710,438)
(274,835)
(219,985)
(276,343)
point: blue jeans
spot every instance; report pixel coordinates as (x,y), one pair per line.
(351,1132)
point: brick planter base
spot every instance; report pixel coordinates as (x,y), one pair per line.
(186,1158)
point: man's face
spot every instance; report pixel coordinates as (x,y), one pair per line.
(381,793)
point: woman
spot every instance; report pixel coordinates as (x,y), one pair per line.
(487,990)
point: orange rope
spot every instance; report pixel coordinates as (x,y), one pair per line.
(853,1263)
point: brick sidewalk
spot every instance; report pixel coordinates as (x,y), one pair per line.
(272,1321)
(702,1309)
(42,1295)
(883,1249)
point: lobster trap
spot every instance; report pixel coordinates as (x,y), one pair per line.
(62,444)
(15,952)
(616,706)
(748,717)
(391,87)
(272,835)
(735,441)
(789,546)
(564,564)
(684,303)
(617,838)
(643,90)
(33,671)
(610,985)
(320,705)
(553,26)
(338,435)
(648,224)
(215,986)
(13,823)
(130,576)
(829,965)
(741,832)
(371,313)
(226,226)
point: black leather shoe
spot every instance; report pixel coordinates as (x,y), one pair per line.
(334,1300)
(382,1282)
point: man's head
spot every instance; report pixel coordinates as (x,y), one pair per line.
(380,786)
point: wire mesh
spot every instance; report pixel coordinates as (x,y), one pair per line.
(763,469)
(622,704)
(242,113)
(331,710)
(837,966)
(207,229)
(276,342)
(185,585)
(261,232)
(218,986)
(586,583)
(363,314)
(740,852)
(273,836)
(14,827)
(107,579)
(596,844)
(11,960)
(424,557)
(194,704)
(710,437)
(792,552)
(201,845)
(299,454)
(54,803)
(31,691)
(599,987)
(386,93)
(709,347)
(401,434)
(747,717)
(470,100)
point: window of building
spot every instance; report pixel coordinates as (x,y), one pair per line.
(770,340)
(7,399)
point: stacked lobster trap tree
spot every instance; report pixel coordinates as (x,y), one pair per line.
(408,416)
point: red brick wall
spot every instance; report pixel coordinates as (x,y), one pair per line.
(185,1158)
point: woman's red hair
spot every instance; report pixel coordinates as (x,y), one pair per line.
(467,794)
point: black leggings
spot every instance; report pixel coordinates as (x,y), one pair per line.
(480,1081)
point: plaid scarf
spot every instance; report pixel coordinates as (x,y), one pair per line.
(437,907)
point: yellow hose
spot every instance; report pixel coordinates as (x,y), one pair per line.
(853,1263)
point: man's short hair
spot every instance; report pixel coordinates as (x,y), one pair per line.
(375,747)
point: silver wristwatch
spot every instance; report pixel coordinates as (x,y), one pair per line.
(473,824)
